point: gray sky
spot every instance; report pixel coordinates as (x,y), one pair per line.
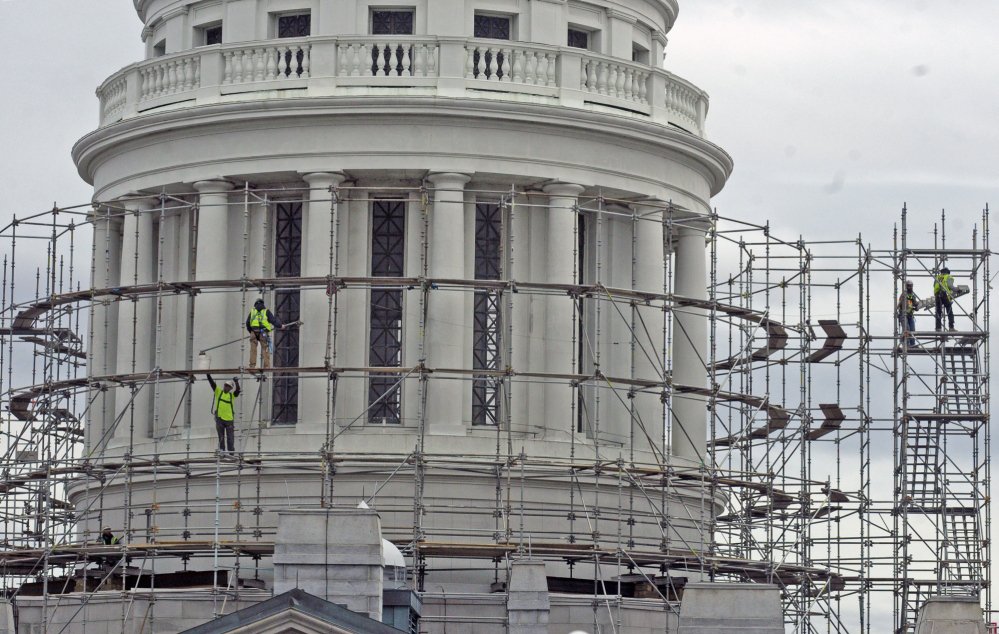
(835,113)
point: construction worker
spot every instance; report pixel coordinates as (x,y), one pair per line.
(260,323)
(907,304)
(107,538)
(223,411)
(943,291)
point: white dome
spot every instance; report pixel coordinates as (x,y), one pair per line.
(391,555)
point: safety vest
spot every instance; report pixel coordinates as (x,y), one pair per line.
(114,540)
(910,303)
(223,404)
(258,318)
(944,283)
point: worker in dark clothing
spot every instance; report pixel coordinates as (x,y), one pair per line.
(907,312)
(943,291)
(222,409)
(260,323)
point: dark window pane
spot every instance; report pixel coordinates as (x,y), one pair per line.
(392,22)
(495,27)
(287,263)
(486,344)
(388,232)
(213,35)
(295,25)
(579,39)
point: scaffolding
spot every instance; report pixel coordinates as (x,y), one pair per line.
(793,489)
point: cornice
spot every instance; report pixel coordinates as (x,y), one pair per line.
(712,160)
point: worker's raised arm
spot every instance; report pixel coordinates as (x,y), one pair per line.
(239,388)
(275,321)
(211,382)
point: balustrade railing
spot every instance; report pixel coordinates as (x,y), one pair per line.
(274,62)
(511,63)
(113,97)
(570,77)
(169,77)
(380,58)
(618,80)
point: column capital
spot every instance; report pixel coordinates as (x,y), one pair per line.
(323,179)
(452,179)
(214,186)
(137,201)
(563,189)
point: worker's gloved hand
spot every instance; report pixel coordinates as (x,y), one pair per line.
(235,379)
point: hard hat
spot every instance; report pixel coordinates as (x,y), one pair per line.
(258,304)
(106,529)
(227,384)
(908,282)
(945,270)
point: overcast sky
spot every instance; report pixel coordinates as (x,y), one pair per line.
(836,113)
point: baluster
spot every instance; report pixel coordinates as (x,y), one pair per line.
(420,61)
(237,67)
(227,75)
(392,58)
(480,66)
(619,84)
(340,60)
(518,66)
(276,62)
(144,83)
(603,73)
(196,82)
(173,84)
(364,57)
(282,62)
(582,73)
(406,61)
(355,61)
(531,67)
(543,69)
(612,75)
(469,62)
(186,74)
(643,87)
(158,80)
(493,54)
(306,64)
(552,60)
(629,79)
(379,60)
(507,53)
(591,75)
(260,63)
(432,62)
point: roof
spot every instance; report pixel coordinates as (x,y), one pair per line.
(308,612)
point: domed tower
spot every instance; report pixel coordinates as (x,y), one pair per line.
(483,225)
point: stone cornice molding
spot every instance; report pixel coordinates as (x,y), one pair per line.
(147,32)
(553,1)
(614,14)
(184,10)
(698,153)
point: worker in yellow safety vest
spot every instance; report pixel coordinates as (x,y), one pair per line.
(222,409)
(260,323)
(943,291)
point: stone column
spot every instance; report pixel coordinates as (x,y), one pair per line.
(211,323)
(690,334)
(538,307)
(137,317)
(334,554)
(648,354)
(559,325)
(447,320)
(520,255)
(104,323)
(318,235)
